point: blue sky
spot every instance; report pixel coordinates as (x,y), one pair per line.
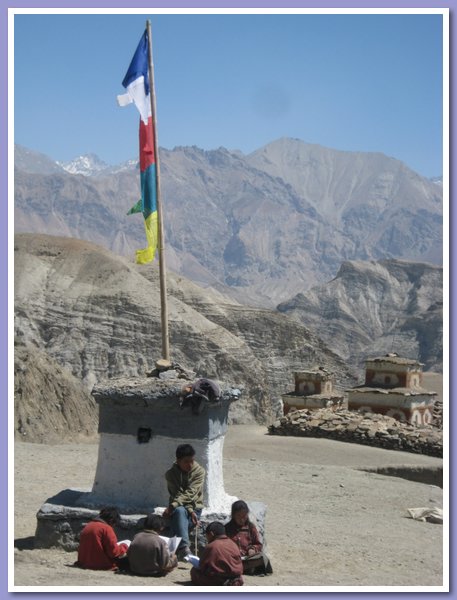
(351,82)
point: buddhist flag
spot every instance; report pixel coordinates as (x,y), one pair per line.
(136,82)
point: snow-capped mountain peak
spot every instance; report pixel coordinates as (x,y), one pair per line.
(87,164)
(91,165)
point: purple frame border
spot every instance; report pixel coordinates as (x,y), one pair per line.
(357,4)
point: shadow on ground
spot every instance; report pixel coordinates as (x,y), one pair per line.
(27,543)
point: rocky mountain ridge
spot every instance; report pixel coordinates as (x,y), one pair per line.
(371,308)
(90,165)
(261,227)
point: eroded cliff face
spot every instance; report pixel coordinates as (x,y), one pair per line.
(98,316)
(371,308)
(50,404)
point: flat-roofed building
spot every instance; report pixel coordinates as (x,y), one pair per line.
(313,390)
(393,386)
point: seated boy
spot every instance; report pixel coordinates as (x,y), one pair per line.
(185,482)
(148,553)
(220,563)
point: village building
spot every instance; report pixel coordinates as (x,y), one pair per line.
(313,390)
(393,387)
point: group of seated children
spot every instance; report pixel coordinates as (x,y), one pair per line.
(232,550)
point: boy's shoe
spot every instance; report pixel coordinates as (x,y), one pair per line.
(182,552)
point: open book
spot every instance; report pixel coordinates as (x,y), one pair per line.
(194,560)
(172,543)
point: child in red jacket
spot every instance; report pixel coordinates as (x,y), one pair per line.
(98,546)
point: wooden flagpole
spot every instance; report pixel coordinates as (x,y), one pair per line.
(165,362)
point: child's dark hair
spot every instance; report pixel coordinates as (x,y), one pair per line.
(184,450)
(155,522)
(215,528)
(110,515)
(239,505)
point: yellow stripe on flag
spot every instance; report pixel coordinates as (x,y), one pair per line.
(152,233)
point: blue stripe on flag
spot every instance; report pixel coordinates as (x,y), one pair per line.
(148,190)
(139,64)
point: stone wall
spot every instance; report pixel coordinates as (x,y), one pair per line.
(372,429)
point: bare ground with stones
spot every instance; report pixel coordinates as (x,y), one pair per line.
(328,523)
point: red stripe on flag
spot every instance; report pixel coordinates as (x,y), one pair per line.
(147,156)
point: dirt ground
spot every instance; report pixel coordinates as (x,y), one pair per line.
(328,523)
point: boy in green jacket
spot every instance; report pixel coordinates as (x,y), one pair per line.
(185,482)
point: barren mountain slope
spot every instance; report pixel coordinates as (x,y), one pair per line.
(266,226)
(99,316)
(371,308)
(50,404)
